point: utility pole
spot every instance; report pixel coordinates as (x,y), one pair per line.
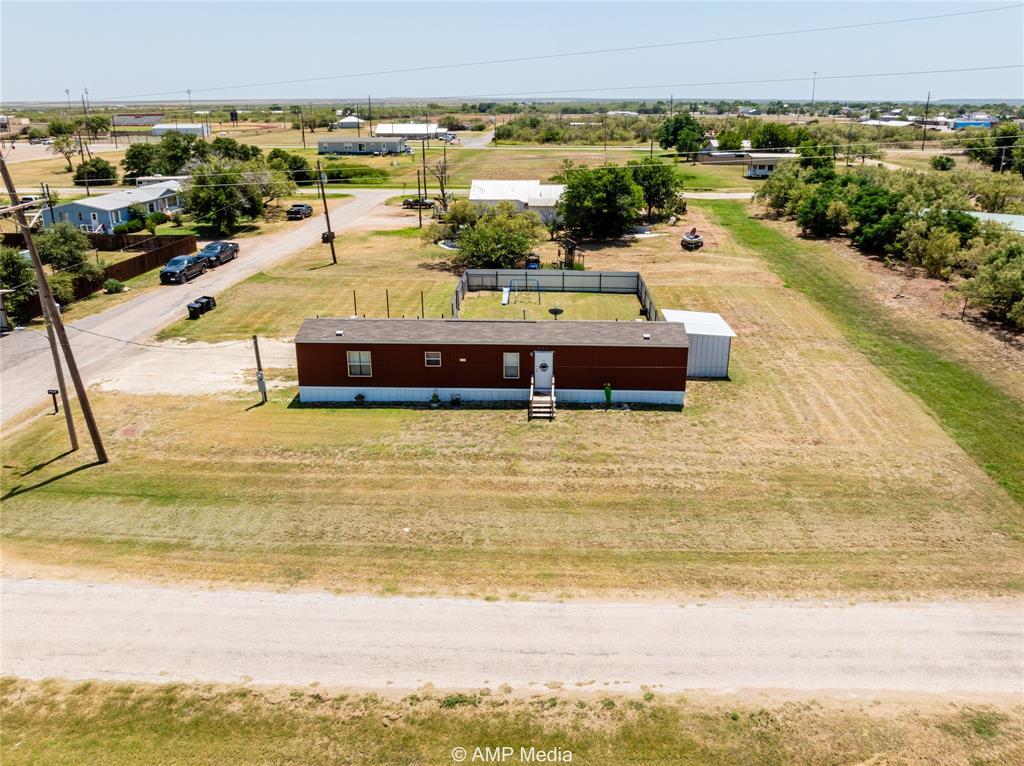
(423,146)
(924,124)
(327,215)
(50,307)
(261,382)
(190,111)
(369,116)
(302,125)
(67,92)
(419,198)
(814,85)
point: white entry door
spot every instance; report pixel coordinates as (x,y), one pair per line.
(543,369)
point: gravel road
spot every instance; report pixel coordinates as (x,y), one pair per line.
(109,632)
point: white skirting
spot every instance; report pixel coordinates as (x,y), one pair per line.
(309,394)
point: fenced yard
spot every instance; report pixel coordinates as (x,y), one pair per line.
(540,281)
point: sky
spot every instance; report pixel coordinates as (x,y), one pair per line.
(224,51)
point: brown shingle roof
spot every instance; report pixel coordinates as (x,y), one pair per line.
(493,332)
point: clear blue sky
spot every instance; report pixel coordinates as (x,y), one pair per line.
(123,50)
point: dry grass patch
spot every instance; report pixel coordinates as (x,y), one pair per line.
(129,724)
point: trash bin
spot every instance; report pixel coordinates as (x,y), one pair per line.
(194,310)
(210,300)
(204,304)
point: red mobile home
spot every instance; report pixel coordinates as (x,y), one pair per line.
(409,360)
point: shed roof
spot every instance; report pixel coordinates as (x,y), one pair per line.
(406,128)
(493,332)
(531,192)
(122,199)
(700,322)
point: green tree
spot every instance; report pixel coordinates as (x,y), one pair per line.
(221,193)
(682,133)
(729,140)
(500,238)
(877,222)
(600,203)
(66,146)
(179,150)
(153,221)
(16,274)
(943,162)
(659,183)
(64,127)
(822,213)
(64,249)
(999,284)
(96,124)
(997,149)
(295,166)
(140,160)
(771,135)
(95,172)
(230,149)
(814,156)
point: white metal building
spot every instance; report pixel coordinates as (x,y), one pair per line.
(525,195)
(190,128)
(710,342)
(415,130)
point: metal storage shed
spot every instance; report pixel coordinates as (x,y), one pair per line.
(710,342)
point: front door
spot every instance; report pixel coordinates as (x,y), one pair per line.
(543,369)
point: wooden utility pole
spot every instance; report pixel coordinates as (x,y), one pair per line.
(423,146)
(369,116)
(261,382)
(50,309)
(419,199)
(302,126)
(327,215)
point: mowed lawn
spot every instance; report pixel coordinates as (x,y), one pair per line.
(65,724)
(811,472)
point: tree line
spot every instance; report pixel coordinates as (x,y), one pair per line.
(915,218)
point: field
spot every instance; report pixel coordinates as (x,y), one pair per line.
(819,469)
(54,171)
(131,725)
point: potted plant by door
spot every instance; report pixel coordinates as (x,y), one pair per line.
(435,400)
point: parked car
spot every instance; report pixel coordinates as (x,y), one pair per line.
(182,268)
(217,253)
(416,202)
(298,212)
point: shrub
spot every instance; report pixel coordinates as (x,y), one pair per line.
(63,288)
(112,286)
(155,219)
(943,162)
(129,227)
(349,173)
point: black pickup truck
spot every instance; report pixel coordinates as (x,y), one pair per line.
(217,253)
(298,212)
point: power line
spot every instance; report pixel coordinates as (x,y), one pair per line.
(573,54)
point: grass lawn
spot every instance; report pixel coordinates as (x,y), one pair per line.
(54,171)
(986,422)
(811,472)
(922,161)
(63,724)
(523,305)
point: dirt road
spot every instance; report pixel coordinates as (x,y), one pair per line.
(76,630)
(26,367)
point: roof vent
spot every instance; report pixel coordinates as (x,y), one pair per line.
(339,332)
(647,336)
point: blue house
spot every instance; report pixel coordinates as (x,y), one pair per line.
(101,214)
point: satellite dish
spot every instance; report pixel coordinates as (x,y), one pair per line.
(555,311)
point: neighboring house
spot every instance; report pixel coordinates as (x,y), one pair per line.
(159,179)
(411,360)
(524,195)
(410,130)
(351,121)
(190,128)
(104,212)
(759,164)
(136,120)
(368,145)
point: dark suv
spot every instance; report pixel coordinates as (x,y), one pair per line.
(182,268)
(217,253)
(298,212)
(416,202)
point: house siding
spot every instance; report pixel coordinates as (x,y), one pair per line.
(471,367)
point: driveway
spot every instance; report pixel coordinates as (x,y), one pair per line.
(122,632)
(103,343)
